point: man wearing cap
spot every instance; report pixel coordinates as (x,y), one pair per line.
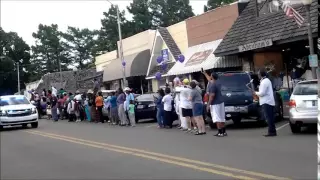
(78,99)
(186,106)
(129,97)
(216,105)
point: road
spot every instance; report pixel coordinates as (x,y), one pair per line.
(63,150)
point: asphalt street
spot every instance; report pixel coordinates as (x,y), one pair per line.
(64,150)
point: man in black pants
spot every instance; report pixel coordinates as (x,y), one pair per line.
(266,100)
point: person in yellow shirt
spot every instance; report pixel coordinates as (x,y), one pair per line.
(99,106)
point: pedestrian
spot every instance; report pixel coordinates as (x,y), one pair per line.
(113,108)
(87,109)
(167,107)
(78,106)
(131,113)
(71,110)
(129,98)
(266,100)
(61,106)
(160,110)
(186,105)
(65,105)
(196,99)
(99,106)
(61,91)
(54,108)
(216,105)
(44,93)
(121,111)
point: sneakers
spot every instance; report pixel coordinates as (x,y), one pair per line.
(219,135)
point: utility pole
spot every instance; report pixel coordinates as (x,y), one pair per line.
(121,48)
(18,72)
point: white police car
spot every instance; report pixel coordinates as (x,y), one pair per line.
(17,110)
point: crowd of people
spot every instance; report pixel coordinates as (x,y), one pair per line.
(187,101)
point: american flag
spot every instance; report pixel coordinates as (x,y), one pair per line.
(290,12)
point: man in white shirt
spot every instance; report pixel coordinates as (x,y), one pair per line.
(267,102)
(186,104)
(167,107)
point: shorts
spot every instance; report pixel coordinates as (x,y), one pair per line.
(217,113)
(197,109)
(186,112)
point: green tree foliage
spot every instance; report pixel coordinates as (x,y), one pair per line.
(108,35)
(13,49)
(142,17)
(80,43)
(169,12)
(49,51)
(212,4)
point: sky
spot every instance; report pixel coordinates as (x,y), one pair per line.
(24,16)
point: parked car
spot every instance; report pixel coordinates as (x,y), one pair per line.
(238,99)
(145,107)
(17,110)
(303,105)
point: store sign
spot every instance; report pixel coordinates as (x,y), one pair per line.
(313,60)
(255,45)
(165,55)
(198,57)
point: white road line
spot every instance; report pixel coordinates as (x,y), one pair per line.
(282,126)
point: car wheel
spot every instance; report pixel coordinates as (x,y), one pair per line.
(137,120)
(236,121)
(295,128)
(34,125)
(24,125)
(1,128)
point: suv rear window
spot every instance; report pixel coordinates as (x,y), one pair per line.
(307,88)
(233,81)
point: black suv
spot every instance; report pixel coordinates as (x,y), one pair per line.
(238,99)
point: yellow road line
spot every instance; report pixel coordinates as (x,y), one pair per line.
(213,171)
(257,174)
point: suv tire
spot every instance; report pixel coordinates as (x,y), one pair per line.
(34,125)
(212,125)
(295,128)
(24,125)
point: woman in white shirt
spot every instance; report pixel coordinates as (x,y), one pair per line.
(167,106)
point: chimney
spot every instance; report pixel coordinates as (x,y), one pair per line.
(242,4)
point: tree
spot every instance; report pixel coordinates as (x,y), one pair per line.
(212,4)
(13,50)
(49,51)
(169,12)
(108,34)
(142,17)
(80,44)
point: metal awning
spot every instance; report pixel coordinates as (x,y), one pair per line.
(201,56)
(136,65)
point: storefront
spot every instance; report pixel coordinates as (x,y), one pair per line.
(201,56)
(269,39)
(135,71)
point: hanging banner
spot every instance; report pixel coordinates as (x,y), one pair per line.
(165,55)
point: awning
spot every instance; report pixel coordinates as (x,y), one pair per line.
(136,65)
(201,56)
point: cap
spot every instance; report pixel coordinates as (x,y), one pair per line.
(186,81)
(126,89)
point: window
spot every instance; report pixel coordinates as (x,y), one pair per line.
(268,7)
(308,88)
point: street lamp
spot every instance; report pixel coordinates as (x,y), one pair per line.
(121,45)
(307,4)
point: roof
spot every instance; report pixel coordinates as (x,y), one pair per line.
(171,44)
(249,28)
(201,56)
(134,66)
(173,49)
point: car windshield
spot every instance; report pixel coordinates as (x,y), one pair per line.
(5,101)
(307,88)
(233,82)
(146,97)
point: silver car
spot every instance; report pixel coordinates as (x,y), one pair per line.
(303,105)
